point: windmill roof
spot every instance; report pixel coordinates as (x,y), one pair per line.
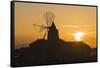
(53,25)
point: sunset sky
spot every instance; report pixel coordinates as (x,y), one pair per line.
(69,19)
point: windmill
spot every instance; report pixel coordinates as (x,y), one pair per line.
(49,19)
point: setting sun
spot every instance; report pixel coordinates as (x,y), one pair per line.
(78,36)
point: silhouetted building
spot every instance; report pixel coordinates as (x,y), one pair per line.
(53,33)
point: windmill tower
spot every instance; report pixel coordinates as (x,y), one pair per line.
(53,33)
(51,30)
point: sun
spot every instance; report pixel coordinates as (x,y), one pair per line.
(78,36)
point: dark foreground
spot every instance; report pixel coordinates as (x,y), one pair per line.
(43,52)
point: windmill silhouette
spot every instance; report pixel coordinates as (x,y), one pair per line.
(49,27)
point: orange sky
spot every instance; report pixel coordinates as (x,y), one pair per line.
(68,19)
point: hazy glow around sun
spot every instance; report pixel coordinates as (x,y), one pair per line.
(78,36)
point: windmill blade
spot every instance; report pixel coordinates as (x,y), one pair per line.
(42,29)
(42,26)
(44,35)
(46,18)
(49,18)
